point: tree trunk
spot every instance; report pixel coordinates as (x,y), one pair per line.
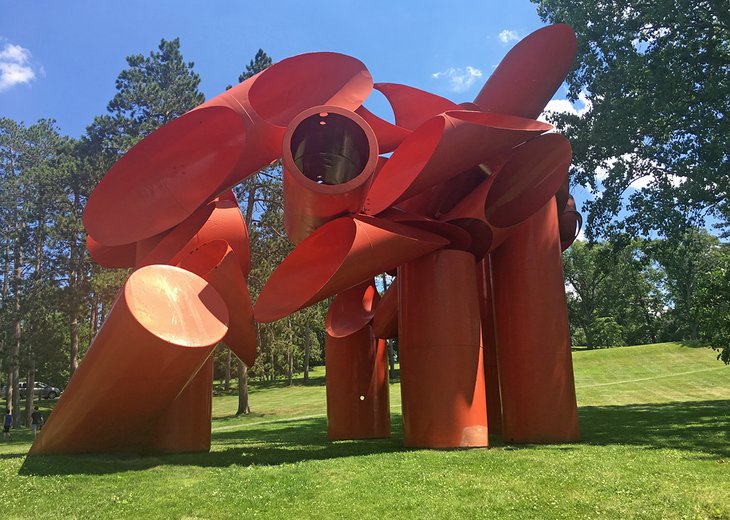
(289,367)
(391,359)
(273,366)
(15,350)
(29,394)
(307,350)
(15,376)
(227,378)
(243,408)
(74,354)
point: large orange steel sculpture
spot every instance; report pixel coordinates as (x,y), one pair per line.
(471,210)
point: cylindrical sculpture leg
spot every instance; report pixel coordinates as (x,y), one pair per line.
(441,366)
(185,425)
(161,330)
(489,342)
(533,342)
(358,406)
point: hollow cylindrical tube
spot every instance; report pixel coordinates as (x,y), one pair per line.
(160,331)
(533,341)
(358,405)
(441,365)
(329,158)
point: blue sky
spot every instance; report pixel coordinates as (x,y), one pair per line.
(60,59)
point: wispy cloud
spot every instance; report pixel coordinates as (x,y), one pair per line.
(15,66)
(460,80)
(508,35)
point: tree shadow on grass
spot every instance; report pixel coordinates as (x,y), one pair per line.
(267,444)
(701,428)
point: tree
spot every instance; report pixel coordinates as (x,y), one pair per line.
(249,193)
(613,293)
(655,76)
(687,259)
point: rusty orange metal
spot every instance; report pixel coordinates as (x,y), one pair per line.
(533,340)
(385,320)
(340,254)
(439,340)
(217,220)
(184,426)
(530,176)
(389,136)
(352,309)
(164,315)
(218,264)
(411,106)
(570,222)
(164,178)
(113,257)
(464,210)
(489,346)
(189,161)
(531,73)
(329,159)
(358,405)
(443,147)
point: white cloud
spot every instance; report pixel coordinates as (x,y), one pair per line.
(15,66)
(460,80)
(565,106)
(508,35)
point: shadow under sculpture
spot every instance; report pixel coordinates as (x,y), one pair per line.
(471,211)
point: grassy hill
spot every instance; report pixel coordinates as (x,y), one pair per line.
(656,444)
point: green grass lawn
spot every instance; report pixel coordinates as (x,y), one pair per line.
(656,444)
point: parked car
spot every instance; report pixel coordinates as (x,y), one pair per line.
(41,389)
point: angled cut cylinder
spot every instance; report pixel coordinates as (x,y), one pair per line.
(358,405)
(533,341)
(329,158)
(441,370)
(168,175)
(160,332)
(184,426)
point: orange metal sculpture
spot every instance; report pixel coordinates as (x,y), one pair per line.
(471,211)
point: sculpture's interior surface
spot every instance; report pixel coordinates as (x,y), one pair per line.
(329,148)
(470,212)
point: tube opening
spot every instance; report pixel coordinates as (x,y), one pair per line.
(329,148)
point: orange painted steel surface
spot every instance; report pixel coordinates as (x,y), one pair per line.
(165,177)
(411,106)
(389,136)
(329,158)
(113,257)
(358,405)
(217,220)
(489,346)
(352,309)
(533,340)
(530,176)
(218,264)
(465,181)
(160,332)
(526,79)
(340,254)
(187,162)
(443,147)
(385,321)
(184,426)
(571,223)
(439,345)
(457,237)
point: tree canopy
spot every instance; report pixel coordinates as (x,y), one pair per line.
(655,77)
